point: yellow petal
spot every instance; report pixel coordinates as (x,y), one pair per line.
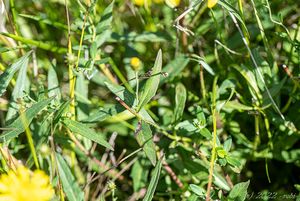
(211,3)
(142,2)
(172,3)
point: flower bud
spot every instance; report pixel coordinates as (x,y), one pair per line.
(135,63)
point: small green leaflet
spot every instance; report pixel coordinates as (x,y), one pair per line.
(153,182)
(69,184)
(24,120)
(85,131)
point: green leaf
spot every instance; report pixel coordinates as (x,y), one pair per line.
(22,85)
(103,113)
(144,139)
(174,68)
(103,28)
(93,50)
(139,175)
(152,83)
(122,93)
(197,190)
(220,181)
(233,161)
(152,37)
(207,67)
(180,98)
(231,9)
(9,72)
(106,18)
(227,144)
(85,131)
(206,133)
(44,20)
(237,106)
(60,111)
(250,78)
(81,92)
(153,182)
(24,120)
(69,183)
(239,191)
(187,127)
(53,84)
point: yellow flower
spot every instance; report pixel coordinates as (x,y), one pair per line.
(142,2)
(24,185)
(211,3)
(172,3)
(135,63)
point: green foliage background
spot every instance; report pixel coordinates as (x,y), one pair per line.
(218,98)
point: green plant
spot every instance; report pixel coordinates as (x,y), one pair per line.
(120,101)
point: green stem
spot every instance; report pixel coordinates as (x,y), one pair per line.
(214,140)
(38,44)
(30,140)
(137,87)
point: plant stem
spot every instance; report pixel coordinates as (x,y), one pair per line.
(214,140)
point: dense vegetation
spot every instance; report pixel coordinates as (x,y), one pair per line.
(162,100)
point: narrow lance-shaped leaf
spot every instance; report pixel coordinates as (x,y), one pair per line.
(207,67)
(53,84)
(106,18)
(69,184)
(152,83)
(144,138)
(9,73)
(22,84)
(103,27)
(85,131)
(180,98)
(24,120)
(154,181)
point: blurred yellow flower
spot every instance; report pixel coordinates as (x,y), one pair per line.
(172,3)
(24,185)
(135,63)
(142,2)
(211,3)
